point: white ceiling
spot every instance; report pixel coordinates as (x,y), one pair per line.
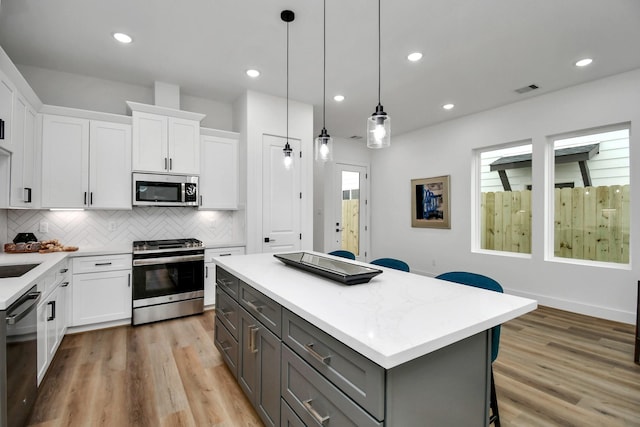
(476,52)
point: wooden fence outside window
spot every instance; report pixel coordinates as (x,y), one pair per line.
(590,223)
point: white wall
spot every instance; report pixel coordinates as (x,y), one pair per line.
(261,114)
(345,150)
(446,149)
(90,93)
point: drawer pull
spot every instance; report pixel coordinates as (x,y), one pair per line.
(320,358)
(224,255)
(98,264)
(64,284)
(225,314)
(253,306)
(253,331)
(64,270)
(225,346)
(310,409)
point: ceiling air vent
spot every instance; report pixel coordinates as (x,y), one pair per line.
(355,137)
(526,89)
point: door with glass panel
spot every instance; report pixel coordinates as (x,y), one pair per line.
(350,211)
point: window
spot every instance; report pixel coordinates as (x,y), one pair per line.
(591,220)
(505,199)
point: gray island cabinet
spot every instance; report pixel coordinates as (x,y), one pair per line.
(402,350)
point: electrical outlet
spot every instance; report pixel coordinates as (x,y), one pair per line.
(112,226)
(44,227)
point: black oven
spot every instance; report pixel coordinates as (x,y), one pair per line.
(167,284)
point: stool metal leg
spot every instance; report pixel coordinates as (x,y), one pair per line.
(495,415)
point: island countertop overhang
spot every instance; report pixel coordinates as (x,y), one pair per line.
(395,318)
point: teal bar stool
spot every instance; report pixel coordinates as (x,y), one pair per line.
(483,282)
(343,254)
(391,263)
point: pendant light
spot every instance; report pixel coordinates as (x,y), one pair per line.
(324,142)
(287,16)
(379,124)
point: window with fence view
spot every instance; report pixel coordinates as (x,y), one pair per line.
(591,216)
(505,203)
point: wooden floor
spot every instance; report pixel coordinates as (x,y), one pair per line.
(554,369)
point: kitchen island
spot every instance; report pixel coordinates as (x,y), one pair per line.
(401,350)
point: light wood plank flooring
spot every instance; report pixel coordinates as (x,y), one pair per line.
(554,369)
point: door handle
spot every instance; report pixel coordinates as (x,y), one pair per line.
(27,195)
(1,129)
(206,272)
(253,330)
(165,163)
(170,164)
(53,311)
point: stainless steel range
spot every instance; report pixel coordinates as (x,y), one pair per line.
(168,279)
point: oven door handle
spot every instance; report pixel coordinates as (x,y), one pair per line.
(167,260)
(31,300)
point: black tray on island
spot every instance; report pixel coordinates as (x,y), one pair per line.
(341,271)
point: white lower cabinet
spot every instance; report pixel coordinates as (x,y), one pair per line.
(101,289)
(52,313)
(210,270)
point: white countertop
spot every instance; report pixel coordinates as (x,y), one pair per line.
(394,318)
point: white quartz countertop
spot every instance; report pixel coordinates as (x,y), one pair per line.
(13,287)
(393,319)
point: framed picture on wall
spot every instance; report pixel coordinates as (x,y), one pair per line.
(430,202)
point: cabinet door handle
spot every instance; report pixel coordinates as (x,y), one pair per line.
(311,410)
(85,198)
(320,358)
(206,271)
(27,195)
(53,310)
(165,163)
(1,129)
(91,198)
(64,284)
(170,164)
(129,280)
(253,331)
(254,306)
(98,264)
(200,200)
(64,270)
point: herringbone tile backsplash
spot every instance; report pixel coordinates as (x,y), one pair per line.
(107,228)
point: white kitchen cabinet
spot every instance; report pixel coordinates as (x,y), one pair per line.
(23,158)
(52,314)
(101,290)
(210,270)
(85,163)
(7,94)
(165,144)
(219,173)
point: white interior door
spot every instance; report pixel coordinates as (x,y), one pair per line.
(350,209)
(281,202)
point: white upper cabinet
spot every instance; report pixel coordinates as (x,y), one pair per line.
(219,173)
(85,163)
(7,94)
(65,162)
(109,165)
(165,140)
(23,158)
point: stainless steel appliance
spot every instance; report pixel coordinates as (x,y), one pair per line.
(19,360)
(168,279)
(164,190)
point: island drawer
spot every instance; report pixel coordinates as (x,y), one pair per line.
(315,400)
(261,307)
(228,347)
(358,377)
(227,281)
(288,418)
(227,311)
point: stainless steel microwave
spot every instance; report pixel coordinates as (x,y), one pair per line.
(164,190)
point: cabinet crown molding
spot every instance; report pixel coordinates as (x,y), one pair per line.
(154,109)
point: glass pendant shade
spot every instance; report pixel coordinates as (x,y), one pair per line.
(288,160)
(379,129)
(324,147)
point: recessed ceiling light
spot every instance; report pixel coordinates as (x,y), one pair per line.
(448,106)
(253,73)
(122,38)
(339,98)
(584,62)
(415,56)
